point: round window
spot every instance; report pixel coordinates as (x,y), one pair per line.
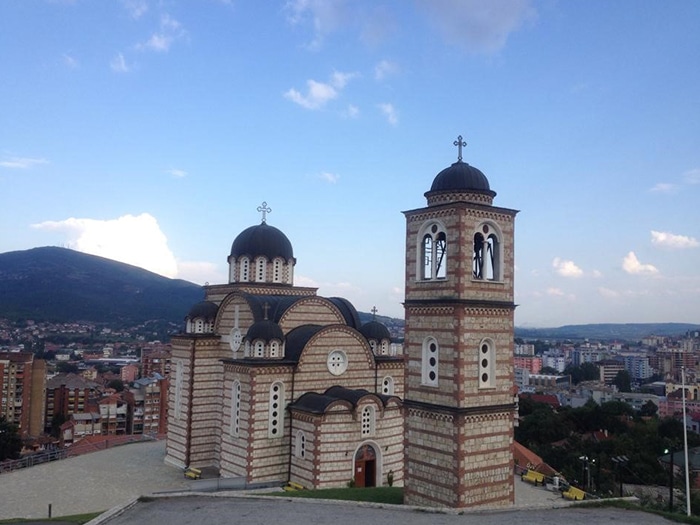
(337,362)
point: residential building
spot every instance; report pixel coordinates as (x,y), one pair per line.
(22,384)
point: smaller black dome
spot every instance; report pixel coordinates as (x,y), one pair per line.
(262,239)
(265,330)
(204,310)
(375,330)
(461,177)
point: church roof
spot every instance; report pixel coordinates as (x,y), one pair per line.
(204,310)
(316,403)
(460,176)
(375,330)
(347,310)
(265,330)
(297,339)
(262,239)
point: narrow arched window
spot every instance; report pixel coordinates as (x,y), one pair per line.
(368,420)
(236,409)
(276,410)
(300,445)
(274,349)
(486,260)
(388,386)
(244,273)
(433,251)
(259,349)
(430,362)
(487,364)
(277,271)
(260,267)
(178,388)
(385,347)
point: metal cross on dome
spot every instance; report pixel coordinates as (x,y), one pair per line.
(374,312)
(264,209)
(459,143)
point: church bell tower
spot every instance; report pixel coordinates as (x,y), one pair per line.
(459,305)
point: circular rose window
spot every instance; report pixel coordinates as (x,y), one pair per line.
(337,362)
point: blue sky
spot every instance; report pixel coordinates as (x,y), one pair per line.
(150,131)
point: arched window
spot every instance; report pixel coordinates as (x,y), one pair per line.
(388,386)
(486,262)
(236,408)
(244,272)
(385,346)
(260,267)
(276,413)
(198,326)
(178,388)
(430,362)
(368,419)
(259,349)
(300,445)
(274,349)
(433,250)
(487,364)
(373,345)
(277,270)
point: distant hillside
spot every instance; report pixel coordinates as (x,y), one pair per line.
(61,285)
(610,331)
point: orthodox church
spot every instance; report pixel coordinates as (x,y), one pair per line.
(274,383)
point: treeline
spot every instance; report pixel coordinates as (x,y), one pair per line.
(581,443)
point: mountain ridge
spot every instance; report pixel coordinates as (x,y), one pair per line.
(63,285)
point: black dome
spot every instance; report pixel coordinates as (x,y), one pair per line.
(461,177)
(375,330)
(262,240)
(265,330)
(203,310)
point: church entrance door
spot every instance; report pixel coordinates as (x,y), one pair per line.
(365,466)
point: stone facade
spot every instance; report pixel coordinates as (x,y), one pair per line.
(272,383)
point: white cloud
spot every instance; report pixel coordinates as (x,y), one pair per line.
(170,30)
(555,292)
(136,240)
(670,240)
(329,177)
(177,173)
(119,65)
(136,8)
(69,61)
(608,293)
(566,268)
(318,93)
(325,17)
(478,26)
(21,163)
(384,69)
(200,272)
(597,274)
(352,112)
(692,176)
(390,113)
(631,265)
(664,187)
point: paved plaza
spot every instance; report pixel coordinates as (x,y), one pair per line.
(116,477)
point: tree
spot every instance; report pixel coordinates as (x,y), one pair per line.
(116,384)
(623,381)
(549,371)
(648,409)
(10,441)
(64,367)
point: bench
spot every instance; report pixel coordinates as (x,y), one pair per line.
(533,477)
(292,485)
(193,473)
(573,494)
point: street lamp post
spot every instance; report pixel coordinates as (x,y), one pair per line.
(670,479)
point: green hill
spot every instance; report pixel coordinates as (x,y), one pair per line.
(62,285)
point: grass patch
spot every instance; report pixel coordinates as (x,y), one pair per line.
(75,518)
(389,495)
